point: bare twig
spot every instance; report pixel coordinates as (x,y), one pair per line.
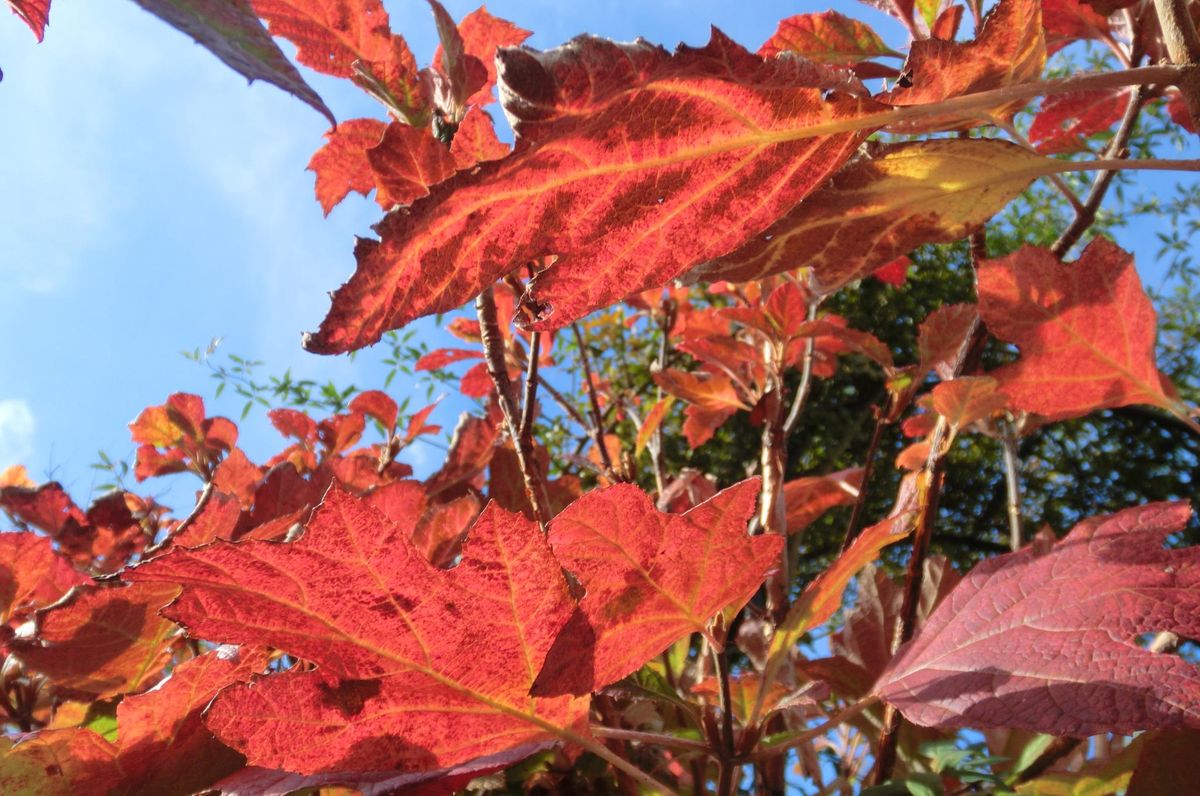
(1059,183)
(1012,485)
(493,350)
(1086,216)
(854,524)
(597,428)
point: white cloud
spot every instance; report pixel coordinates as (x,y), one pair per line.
(17,427)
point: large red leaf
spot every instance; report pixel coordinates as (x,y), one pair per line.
(1049,643)
(35,14)
(230,30)
(418,668)
(1085,329)
(634,179)
(651,578)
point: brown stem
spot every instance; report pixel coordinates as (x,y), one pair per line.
(1057,750)
(625,783)
(805,386)
(1183,45)
(597,429)
(649,738)
(493,350)
(772,509)
(725,784)
(854,525)
(1086,216)
(926,517)
(529,399)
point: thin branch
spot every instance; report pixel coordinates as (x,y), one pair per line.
(1012,484)
(1086,216)
(931,477)
(1059,182)
(854,524)
(529,399)
(841,717)
(205,496)
(805,386)
(593,402)
(1183,45)
(493,350)
(725,784)
(563,403)
(649,738)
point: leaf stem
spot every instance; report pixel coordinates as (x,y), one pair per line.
(1012,485)
(854,524)
(654,738)
(205,496)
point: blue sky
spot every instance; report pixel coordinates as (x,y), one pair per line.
(152,201)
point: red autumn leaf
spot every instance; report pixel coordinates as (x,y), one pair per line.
(218,519)
(105,640)
(966,399)
(1049,643)
(176,436)
(440,531)
(1070,20)
(482,35)
(457,74)
(808,498)
(712,399)
(32,574)
(476,382)
(34,13)
(823,596)
(293,423)
(941,335)
(540,200)
(379,406)
(1066,120)
(1165,763)
(238,476)
(417,425)
(162,743)
(1085,329)
(338,432)
(406,162)
(471,448)
(59,761)
(1010,48)
(475,140)
(947,23)
(827,38)
(852,340)
(47,507)
(341,165)
(895,272)
(881,207)
(1178,110)
(403,681)
(330,35)
(232,31)
(441,357)
(650,578)
(862,648)
(652,422)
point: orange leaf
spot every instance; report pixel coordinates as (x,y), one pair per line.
(942,335)
(966,399)
(1086,331)
(808,498)
(827,38)
(482,34)
(58,762)
(32,574)
(1066,120)
(403,681)
(379,406)
(341,165)
(406,162)
(652,422)
(651,578)
(1010,49)
(475,140)
(739,127)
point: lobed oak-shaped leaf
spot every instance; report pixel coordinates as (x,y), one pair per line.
(417,668)
(482,34)
(406,162)
(34,13)
(1049,643)
(659,173)
(1085,329)
(1010,49)
(650,578)
(231,30)
(341,165)
(879,208)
